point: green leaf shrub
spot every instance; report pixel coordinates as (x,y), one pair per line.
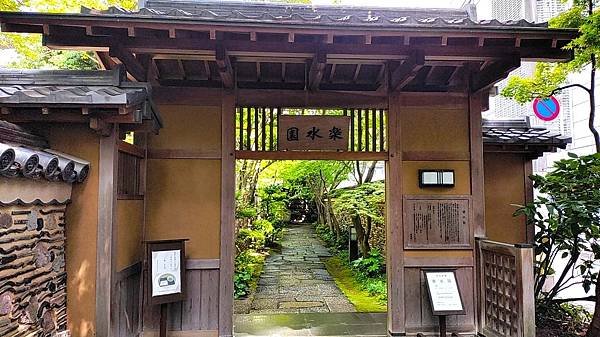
(370,266)
(567,220)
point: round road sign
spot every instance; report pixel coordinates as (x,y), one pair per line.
(546,108)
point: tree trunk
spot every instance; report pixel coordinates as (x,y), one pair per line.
(361,236)
(593,104)
(594,329)
(370,172)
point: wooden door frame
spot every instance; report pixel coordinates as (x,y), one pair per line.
(393,181)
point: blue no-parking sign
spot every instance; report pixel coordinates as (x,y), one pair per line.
(546,108)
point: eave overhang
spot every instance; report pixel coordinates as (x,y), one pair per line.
(177,48)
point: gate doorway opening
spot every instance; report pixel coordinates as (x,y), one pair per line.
(310,227)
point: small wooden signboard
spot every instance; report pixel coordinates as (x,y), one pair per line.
(166,271)
(444,295)
(324,133)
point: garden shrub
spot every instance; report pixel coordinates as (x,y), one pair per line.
(250,239)
(370,266)
(248,265)
(266,228)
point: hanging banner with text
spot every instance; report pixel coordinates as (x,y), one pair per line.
(324,133)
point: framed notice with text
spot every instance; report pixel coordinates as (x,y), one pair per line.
(444,293)
(166,270)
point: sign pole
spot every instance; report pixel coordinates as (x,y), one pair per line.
(442,319)
(163,319)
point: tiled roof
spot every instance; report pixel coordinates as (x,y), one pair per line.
(18,160)
(67,87)
(520,132)
(58,88)
(299,14)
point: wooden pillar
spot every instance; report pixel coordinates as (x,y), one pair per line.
(106,295)
(394,234)
(477,194)
(227,214)
(527,171)
(477,180)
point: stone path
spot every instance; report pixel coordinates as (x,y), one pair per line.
(295,280)
(311,324)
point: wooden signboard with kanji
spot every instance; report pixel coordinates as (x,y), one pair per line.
(324,133)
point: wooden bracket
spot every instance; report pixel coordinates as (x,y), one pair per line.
(224,65)
(493,73)
(131,63)
(407,71)
(101,127)
(317,70)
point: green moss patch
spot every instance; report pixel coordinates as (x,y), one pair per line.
(346,281)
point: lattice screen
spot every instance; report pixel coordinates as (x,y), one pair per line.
(256,127)
(500,287)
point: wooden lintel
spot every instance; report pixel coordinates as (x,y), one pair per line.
(407,71)
(494,73)
(147,126)
(131,149)
(268,97)
(317,69)
(224,65)
(100,126)
(260,48)
(132,65)
(106,62)
(311,155)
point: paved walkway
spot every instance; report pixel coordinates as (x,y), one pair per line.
(295,280)
(311,324)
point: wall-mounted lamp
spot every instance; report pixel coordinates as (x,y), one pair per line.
(436,178)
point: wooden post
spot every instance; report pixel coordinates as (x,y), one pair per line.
(525,285)
(227,214)
(394,234)
(477,179)
(164,313)
(442,324)
(106,295)
(477,225)
(529,227)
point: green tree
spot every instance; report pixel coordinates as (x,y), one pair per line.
(548,78)
(568,228)
(31,53)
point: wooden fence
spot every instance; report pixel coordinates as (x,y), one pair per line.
(507,305)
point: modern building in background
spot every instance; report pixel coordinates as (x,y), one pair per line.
(505,108)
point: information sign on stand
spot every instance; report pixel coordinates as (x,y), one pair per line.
(444,295)
(166,275)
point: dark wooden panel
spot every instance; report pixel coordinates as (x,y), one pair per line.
(199,310)
(418,308)
(128,287)
(436,222)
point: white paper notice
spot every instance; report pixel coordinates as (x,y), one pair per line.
(166,269)
(444,291)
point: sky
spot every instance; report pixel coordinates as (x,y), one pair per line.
(398,3)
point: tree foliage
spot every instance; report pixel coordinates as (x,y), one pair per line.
(549,76)
(547,79)
(567,221)
(31,53)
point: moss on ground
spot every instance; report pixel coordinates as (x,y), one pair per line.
(346,281)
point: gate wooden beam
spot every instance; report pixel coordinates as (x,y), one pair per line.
(225,68)
(407,71)
(317,70)
(106,295)
(311,155)
(132,65)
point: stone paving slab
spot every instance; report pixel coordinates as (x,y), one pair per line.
(296,280)
(311,324)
